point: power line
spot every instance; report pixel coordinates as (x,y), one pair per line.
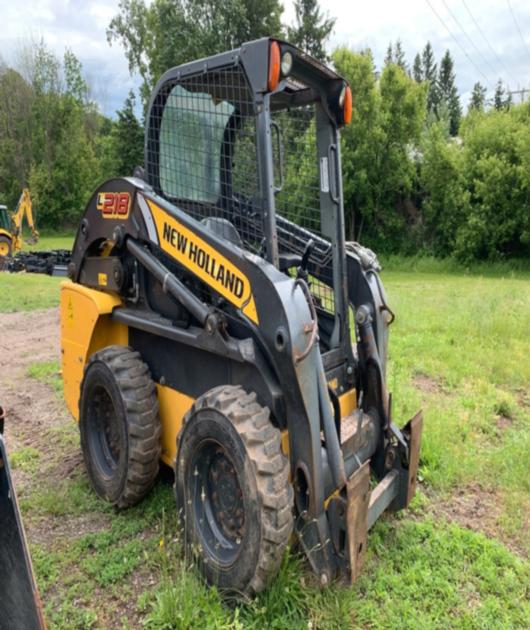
(469,38)
(459,44)
(518,28)
(501,62)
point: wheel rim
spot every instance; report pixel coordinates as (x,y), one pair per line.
(4,248)
(105,439)
(218,503)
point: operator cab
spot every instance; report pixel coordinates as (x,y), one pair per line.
(247,142)
(5,221)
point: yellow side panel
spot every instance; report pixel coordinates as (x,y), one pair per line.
(86,327)
(347,403)
(173,408)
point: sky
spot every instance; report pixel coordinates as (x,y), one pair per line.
(488,39)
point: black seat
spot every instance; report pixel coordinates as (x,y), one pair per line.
(223,228)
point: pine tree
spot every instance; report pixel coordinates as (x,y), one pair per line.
(399,56)
(478,97)
(448,94)
(417,69)
(312,29)
(389,57)
(502,98)
(429,74)
(128,139)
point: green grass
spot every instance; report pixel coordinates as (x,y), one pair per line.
(27,292)
(459,349)
(25,458)
(47,240)
(48,372)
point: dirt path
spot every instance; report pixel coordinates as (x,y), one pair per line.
(26,339)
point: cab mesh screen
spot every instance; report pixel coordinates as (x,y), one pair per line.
(206,163)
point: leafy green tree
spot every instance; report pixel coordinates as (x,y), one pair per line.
(379,169)
(497,168)
(16,136)
(166,33)
(448,93)
(76,86)
(478,97)
(445,202)
(312,28)
(359,149)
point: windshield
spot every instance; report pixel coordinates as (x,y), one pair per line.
(5,222)
(191,137)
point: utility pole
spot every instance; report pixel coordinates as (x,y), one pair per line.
(523,92)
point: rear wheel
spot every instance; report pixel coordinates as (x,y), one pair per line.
(233,490)
(6,248)
(119,425)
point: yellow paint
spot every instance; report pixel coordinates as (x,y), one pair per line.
(334,383)
(185,246)
(5,247)
(102,279)
(285,442)
(86,327)
(347,403)
(173,407)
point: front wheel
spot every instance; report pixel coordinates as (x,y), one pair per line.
(233,490)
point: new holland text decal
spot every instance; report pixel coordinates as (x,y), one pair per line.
(204,261)
(114,205)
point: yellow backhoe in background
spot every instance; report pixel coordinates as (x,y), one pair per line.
(11,226)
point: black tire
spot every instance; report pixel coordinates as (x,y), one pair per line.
(229,460)
(119,425)
(6,250)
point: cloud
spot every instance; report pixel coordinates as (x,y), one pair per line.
(81,26)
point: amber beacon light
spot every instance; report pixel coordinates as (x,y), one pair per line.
(274,66)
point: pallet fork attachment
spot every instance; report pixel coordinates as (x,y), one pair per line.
(395,491)
(20,605)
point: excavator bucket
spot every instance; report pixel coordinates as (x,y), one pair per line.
(20,606)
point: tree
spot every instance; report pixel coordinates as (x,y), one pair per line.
(448,93)
(417,69)
(396,54)
(389,57)
(378,167)
(76,85)
(502,98)
(430,74)
(166,33)
(127,139)
(478,97)
(399,56)
(312,29)
(445,202)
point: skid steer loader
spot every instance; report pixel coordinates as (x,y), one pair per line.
(219,322)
